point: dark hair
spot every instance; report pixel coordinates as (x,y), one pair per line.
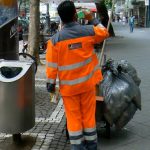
(66,11)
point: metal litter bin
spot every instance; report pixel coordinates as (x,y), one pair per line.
(17,90)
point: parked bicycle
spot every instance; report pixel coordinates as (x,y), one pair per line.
(28,58)
(42,49)
(42,45)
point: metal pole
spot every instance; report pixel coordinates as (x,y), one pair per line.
(145,16)
(148,14)
(47,24)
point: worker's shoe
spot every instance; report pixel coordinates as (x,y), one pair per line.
(78,147)
(91,145)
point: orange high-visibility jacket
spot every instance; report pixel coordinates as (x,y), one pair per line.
(70,57)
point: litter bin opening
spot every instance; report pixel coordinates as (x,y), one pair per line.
(10,72)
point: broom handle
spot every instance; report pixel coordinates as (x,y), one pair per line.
(104,43)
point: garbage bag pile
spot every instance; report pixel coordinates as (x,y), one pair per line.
(120,89)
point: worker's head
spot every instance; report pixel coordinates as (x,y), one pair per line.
(67,11)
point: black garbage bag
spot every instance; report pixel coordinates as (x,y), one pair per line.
(126,116)
(126,67)
(119,91)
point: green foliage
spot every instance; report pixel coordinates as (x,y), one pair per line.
(108,4)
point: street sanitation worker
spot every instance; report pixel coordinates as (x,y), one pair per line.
(70,57)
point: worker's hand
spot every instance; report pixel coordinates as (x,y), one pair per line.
(51,88)
(54,93)
(88,15)
(53,98)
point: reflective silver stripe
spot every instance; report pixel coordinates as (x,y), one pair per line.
(74,66)
(75,133)
(52,81)
(77,142)
(79,80)
(90,129)
(90,138)
(50,64)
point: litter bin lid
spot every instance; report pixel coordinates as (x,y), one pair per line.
(11,71)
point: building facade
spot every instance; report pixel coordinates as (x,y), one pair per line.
(140,9)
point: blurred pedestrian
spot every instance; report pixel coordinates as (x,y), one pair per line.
(124,20)
(118,18)
(131,23)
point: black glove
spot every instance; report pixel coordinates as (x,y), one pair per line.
(51,87)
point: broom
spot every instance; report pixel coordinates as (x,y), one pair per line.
(101,56)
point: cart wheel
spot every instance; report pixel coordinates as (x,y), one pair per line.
(67,134)
(66,131)
(17,138)
(28,57)
(107,130)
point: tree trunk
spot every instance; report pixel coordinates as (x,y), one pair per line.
(34,32)
(103,13)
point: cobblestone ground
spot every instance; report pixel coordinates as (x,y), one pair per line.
(49,129)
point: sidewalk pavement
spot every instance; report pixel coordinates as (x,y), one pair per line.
(133,47)
(49,130)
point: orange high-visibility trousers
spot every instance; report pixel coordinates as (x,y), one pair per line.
(80,113)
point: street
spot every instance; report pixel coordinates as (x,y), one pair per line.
(49,130)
